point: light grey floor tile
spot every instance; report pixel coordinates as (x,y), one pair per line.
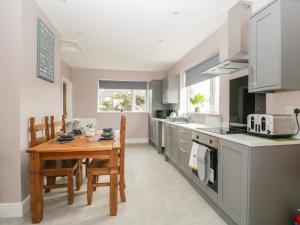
(156,195)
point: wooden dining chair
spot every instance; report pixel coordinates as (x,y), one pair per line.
(58,128)
(101,167)
(52,169)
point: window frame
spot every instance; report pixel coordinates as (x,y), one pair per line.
(132,105)
(212,99)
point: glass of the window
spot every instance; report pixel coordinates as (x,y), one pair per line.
(118,100)
(210,90)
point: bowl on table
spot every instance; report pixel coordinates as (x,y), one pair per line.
(107,135)
(65,137)
(107,129)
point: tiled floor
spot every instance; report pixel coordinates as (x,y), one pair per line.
(156,195)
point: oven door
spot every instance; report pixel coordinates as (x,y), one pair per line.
(213,168)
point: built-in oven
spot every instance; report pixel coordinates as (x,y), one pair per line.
(212,143)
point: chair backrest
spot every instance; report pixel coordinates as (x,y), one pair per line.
(61,125)
(35,128)
(122,138)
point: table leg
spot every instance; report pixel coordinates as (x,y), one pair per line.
(36,188)
(113,183)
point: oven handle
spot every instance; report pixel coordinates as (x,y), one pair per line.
(200,143)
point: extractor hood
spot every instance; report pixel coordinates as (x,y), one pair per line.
(237,45)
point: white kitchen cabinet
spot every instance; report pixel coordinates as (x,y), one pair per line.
(170,89)
(274,47)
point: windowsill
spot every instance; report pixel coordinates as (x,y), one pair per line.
(204,114)
(120,112)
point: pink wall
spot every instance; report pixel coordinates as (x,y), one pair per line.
(10,20)
(85,97)
(214,43)
(65,70)
(38,97)
(23,94)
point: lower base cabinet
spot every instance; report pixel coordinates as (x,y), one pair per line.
(174,145)
(233,180)
(184,157)
(256,185)
(168,140)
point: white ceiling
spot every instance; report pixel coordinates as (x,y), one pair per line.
(145,35)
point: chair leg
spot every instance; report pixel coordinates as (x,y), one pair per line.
(87,162)
(49,181)
(81,172)
(90,189)
(78,183)
(70,189)
(122,187)
(95,180)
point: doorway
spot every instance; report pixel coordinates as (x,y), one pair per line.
(67,98)
(65,112)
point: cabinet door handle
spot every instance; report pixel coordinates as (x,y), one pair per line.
(181,149)
(183,131)
(182,141)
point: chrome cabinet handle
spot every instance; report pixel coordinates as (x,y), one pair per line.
(182,141)
(183,131)
(183,151)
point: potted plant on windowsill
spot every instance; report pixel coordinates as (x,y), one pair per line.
(122,105)
(197,100)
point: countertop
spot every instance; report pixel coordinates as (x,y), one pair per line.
(244,139)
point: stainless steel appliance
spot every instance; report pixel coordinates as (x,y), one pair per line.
(212,143)
(237,44)
(270,125)
(163,114)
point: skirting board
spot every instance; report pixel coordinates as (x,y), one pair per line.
(137,140)
(18,209)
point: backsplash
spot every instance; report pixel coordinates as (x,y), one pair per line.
(208,119)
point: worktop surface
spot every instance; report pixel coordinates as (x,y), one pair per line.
(244,139)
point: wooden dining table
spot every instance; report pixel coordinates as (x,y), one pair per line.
(79,148)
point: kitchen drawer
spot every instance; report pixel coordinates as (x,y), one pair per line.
(184,133)
(184,158)
(185,142)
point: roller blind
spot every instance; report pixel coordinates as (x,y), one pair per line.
(108,84)
(195,75)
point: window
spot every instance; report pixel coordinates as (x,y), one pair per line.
(210,89)
(120,99)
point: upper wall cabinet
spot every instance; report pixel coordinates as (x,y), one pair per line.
(170,89)
(274,62)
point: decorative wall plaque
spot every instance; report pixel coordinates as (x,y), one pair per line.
(45,51)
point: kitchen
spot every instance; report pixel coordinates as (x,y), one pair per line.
(203,97)
(241,167)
